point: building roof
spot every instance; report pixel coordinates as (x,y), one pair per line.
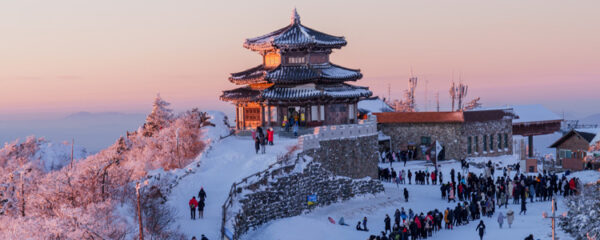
(420,117)
(296,74)
(487,115)
(243,94)
(589,137)
(253,75)
(533,113)
(373,105)
(294,36)
(300,92)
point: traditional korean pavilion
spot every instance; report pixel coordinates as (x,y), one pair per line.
(296,82)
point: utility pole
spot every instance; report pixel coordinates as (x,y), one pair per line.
(437,100)
(139,210)
(426,99)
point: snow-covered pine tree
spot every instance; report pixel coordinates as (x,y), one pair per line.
(581,220)
(159,118)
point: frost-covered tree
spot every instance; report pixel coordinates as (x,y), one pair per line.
(581,220)
(159,118)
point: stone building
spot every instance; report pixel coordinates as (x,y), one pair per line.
(485,133)
(571,149)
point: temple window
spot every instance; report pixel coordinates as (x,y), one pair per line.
(272,59)
(296,60)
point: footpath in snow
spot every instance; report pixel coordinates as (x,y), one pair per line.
(423,198)
(229,160)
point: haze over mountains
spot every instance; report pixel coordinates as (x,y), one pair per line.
(94,131)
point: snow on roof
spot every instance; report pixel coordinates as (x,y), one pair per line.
(588,130)
(595,141)
(374,105)
(533,113)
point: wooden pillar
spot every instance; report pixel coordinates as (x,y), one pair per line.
(237,116)
(243,111)
(262,115)
(269,116)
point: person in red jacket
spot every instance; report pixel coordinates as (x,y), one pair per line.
(433,178)
(270,136)
(193,204)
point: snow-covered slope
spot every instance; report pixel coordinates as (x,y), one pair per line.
(226,161)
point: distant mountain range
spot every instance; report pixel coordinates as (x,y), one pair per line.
(591,119)
(95,131)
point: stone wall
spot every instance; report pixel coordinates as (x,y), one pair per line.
(403,134)
(351,157)
(285,194)
(452,136)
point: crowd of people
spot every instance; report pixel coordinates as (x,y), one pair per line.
(478,196)
(262,139)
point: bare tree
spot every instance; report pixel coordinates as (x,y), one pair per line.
(472,104)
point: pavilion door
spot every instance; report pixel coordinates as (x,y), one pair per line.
(336,114)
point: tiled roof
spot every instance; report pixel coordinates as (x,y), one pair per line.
(294,36)
(312,73)
(244,94)
(328,91)
(586,136)
(297,74)
(320,91)
(253,75)
(420,117)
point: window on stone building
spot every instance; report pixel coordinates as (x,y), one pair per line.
(485,146)
(469,145)
(506,140)
(491,142)
(426,141)
(499,141)
(476,143)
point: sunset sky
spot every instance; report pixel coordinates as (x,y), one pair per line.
(66,56)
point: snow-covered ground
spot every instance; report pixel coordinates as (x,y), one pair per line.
(229,160)
(233,158)
(422,198)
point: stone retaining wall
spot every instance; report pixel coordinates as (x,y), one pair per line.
(286,196)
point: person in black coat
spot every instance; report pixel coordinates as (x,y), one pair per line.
(257,144)
(523,207)
(388,225)
(202,194)
(405,194)
(481,228)
(201,209)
